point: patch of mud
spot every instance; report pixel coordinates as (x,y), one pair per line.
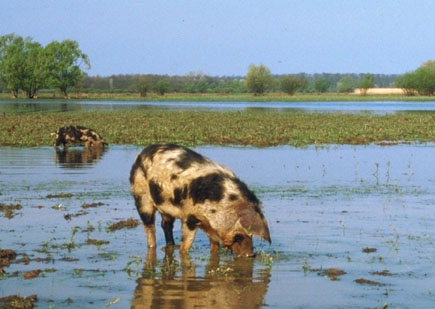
(8,210)
(91,205)
(97,242)
(331,273)
(69,259)
(364,281)
(15,301)
(60,195)
(123,224)
(385,273)
(68,217)
(6,256)
(31,274)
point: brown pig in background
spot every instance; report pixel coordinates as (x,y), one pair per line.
(78,135)
(181,183)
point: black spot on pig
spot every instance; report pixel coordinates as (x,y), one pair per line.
(147,219)
(150,151)
(188,158)
(180,194)
(238,238)
(249,195)
(156,192)
(209,187)
(233,197)
(192,222)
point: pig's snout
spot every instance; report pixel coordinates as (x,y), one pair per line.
(242,246)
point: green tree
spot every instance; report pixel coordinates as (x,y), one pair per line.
(65,59)
(346,84)
(35,69)
(143,85)
(162,86)
(408,82)
(12,62)
(292,83)
(421,81)
(258,79)
(368,81)
(425,77)
(322,85)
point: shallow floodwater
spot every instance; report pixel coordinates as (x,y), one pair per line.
(351,226)
(381,107)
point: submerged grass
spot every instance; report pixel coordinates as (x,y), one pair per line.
(257,128)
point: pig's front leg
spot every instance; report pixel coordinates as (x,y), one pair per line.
(168,226)
(214,246)
(189,227)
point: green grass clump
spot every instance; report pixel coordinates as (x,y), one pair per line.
(257,128)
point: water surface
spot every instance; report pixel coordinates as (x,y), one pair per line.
(325,207)
(381,107)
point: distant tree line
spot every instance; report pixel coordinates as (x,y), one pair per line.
(28,66)
(197,82)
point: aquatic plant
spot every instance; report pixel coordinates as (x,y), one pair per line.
(266,259)
(137,261)
(71,244)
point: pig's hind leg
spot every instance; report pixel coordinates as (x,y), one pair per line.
(146,210)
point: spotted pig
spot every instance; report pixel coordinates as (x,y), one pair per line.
(78,135)
(183,184)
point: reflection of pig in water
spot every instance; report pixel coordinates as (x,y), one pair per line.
(233,283)
(78,135)
(181,183)
(79,158)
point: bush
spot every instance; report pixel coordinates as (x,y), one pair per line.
(291,83)
(258,79)
(421,81)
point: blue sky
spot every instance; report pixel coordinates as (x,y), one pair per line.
(224,37)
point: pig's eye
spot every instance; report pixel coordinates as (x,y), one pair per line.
(238,238)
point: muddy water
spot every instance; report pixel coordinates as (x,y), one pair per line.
(364,213)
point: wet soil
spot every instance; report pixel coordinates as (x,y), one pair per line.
(350,227)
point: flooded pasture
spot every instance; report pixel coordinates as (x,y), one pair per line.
(351,226)
(375,107)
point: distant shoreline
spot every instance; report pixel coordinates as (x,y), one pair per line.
(218,97)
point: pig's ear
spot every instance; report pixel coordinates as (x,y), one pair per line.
(253,223)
